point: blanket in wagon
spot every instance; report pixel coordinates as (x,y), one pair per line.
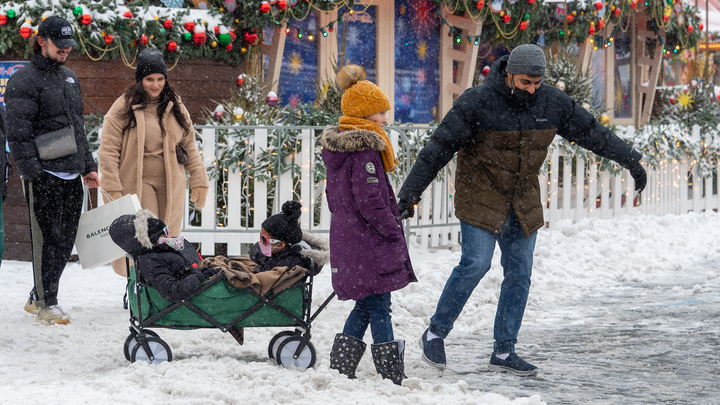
(240,272)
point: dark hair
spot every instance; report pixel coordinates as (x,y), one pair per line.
(136,95)
(35,47)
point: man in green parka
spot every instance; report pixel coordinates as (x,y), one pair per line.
(501,131)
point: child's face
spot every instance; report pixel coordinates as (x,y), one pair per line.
(267,240)
(378,118)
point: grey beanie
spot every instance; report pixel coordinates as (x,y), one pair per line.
(150,61)
(527,59)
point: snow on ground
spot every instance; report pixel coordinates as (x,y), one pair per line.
(83,363)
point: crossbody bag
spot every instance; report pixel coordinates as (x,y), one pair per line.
(60,143)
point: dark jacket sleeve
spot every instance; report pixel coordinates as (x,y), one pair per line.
(454,132)
(22,107)
(170,275)
(582,128)
(3,156)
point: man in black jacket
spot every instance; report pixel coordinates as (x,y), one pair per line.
(4,172)
(44,101)
(501,131)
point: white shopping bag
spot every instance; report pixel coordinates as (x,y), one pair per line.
(93,243)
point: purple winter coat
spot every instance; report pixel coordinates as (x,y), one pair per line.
(368,252)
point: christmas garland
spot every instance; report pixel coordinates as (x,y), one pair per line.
(106,29)
(532,21)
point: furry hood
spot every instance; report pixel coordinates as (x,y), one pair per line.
(353,140)
(130,231)
(319,248)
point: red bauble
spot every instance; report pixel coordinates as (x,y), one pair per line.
(228,47)
(598,5)
(617,12)
(251,39)
(633,5)
(172,46)
(3,19)
(232,35)
(591,30)
(672,100)
(25,32)
(690,29)
(601,23)
(700,26)
(127,14)
(570,18)
(143,39)
(109,38)
(523,25)
(240,81)
(486,71)
(506,18)
(531,1)
(199,38)
(86,19)
(168,24)
(264,7)
(216,30)
(189,26)
(480,4)
(665,18)
(282,4)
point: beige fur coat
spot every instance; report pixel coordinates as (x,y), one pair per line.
(121,163)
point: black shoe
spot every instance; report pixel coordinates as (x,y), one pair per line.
(433,351)
(514,364)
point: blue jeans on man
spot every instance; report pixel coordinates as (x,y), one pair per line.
(478,246)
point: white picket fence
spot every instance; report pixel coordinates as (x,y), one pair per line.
(670,189)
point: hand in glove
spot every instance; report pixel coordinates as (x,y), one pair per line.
(407,209)
(198,196)
(638,174)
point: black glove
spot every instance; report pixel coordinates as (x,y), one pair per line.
(30,169)
(407,209)
(210,272)
(638,174)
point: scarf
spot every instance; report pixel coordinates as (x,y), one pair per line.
(387,155)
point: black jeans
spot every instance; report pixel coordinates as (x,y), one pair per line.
(54,205)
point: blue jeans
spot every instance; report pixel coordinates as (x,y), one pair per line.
(373,310)
(478,246)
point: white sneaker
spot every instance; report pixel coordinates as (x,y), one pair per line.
(53,314)
(30,306)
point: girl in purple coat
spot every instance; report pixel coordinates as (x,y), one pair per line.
(368,252)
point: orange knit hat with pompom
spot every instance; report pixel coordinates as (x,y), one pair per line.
(361,97)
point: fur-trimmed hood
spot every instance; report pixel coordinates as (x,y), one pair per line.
(353,140)
(130,232)
(319,248)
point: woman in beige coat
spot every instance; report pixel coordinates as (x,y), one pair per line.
(139,151)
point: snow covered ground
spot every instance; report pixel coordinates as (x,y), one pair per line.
(620,311)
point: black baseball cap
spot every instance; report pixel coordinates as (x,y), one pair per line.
(58,30)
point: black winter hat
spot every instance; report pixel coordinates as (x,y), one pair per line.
(150,61)
(285,225)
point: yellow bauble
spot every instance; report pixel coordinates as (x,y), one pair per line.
(243,50)
(238,117)
(604,119)
(213,44)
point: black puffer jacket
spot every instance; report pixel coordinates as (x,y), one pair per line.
(35,97)
(501,147)
(170,273)
(3,156)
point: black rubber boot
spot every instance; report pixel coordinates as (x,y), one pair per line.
(346,354)
(388,359)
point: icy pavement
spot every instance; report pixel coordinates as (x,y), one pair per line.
(637,343)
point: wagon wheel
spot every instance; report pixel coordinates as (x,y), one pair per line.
(131,341)
(277,340)
(286,353)
(159,351)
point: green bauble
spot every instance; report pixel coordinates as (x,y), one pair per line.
(77,11)
(187,36)
(11,13)
(224,39)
